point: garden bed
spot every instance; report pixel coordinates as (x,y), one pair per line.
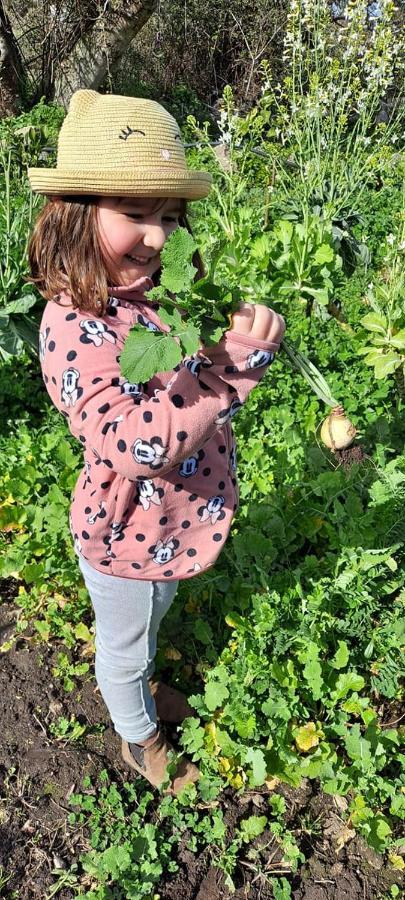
(39,773)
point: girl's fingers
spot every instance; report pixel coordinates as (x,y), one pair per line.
(262,323)
(258,321)
(242,320)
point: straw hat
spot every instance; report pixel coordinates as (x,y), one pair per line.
(119,146)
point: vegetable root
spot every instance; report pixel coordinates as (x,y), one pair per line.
(337,431)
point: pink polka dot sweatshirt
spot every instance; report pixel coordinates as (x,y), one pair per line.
(158,490)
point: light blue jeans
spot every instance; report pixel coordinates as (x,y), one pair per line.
(128,613)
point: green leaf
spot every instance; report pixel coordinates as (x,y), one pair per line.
(281,889)
(189,339)
(258,763)
(22,305)
(252,827)
(357,747)
(277,709)
(283,231)
(312,669)
(324,254)
(147,352)
(398,339)
(261,246)
(349,681)
(203,631)
(178,272)
(319,294)
(341,656)
(374,322)
(386,364)
(215,694)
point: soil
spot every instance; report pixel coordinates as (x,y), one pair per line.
(38,773)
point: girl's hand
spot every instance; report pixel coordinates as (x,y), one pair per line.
(141,285)
(258,321)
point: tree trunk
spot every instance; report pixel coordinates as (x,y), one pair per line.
(11,68)
(99,49)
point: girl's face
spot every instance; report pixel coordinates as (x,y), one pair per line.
(132,234)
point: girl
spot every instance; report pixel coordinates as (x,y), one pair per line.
(156,497)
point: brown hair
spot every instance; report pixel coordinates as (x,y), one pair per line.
(65,253)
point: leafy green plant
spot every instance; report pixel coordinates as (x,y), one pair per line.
(209,308)
(16,298)
(68,671)
(300,261)
(68,730)
(386,324)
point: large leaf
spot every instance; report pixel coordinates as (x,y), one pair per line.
(386,364)
(147,352)
(398,339)
(22,304)
(374,322)
(324,254)
(178,272)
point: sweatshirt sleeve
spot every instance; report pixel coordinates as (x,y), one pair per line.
(156,432)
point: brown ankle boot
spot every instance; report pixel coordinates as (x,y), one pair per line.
(171,705)
(151,762)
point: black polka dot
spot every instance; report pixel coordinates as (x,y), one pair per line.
(168,573)
(46,379)
(147,416)
(222,449)
(193,497)
(217,536)
(70,317)
(82,438)
(71,355)
(51,346)
(163,520)
(230,370)
(118,358)
(85,535)
(177,400)
(53,379)
(87,510)
(96,380)
(140,537)
(155,400)
(104,408)
(84,416)
(108,463)
(221,485)
(191,552)
(122,446)
(105,562)
(207,471)
(178,487)
(204,386)
(182,435)
(136,566)
(234,482)
(185,524)
(105,484)
(201,455)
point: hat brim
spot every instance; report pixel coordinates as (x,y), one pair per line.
(189,184)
